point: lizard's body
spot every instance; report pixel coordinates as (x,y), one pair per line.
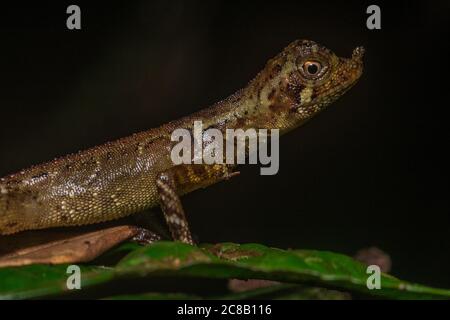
(128,175)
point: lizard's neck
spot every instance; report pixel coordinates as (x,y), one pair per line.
(260,105)
(257,106)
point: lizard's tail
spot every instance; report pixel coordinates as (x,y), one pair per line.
(17,210)
(9,221)
(3,195)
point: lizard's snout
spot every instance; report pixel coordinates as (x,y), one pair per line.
(358,54)
(355,65)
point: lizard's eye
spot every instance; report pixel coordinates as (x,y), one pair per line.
(312,68)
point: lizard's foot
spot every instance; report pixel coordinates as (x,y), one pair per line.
(145,236)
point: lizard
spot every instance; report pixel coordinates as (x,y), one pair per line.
(134,173)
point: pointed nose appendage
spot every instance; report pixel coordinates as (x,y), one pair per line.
(358,54)
(356,65)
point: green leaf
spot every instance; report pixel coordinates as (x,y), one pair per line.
(254,261)
(280,291)
(222,261)
(35,281)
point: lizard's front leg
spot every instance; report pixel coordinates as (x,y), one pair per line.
(172,208)
(182,179)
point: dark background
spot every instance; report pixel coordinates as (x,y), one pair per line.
(370,171)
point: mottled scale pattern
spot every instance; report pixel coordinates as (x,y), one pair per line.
(103,183)
(119,178)
(173,209)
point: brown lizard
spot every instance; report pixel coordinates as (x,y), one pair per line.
(126,176)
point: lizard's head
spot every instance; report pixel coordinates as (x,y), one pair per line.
(303,79)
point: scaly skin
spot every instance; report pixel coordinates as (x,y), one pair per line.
(118,178)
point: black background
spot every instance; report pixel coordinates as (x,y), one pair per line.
(371,170)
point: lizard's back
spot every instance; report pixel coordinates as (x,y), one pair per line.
(95,185)
(106,182)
